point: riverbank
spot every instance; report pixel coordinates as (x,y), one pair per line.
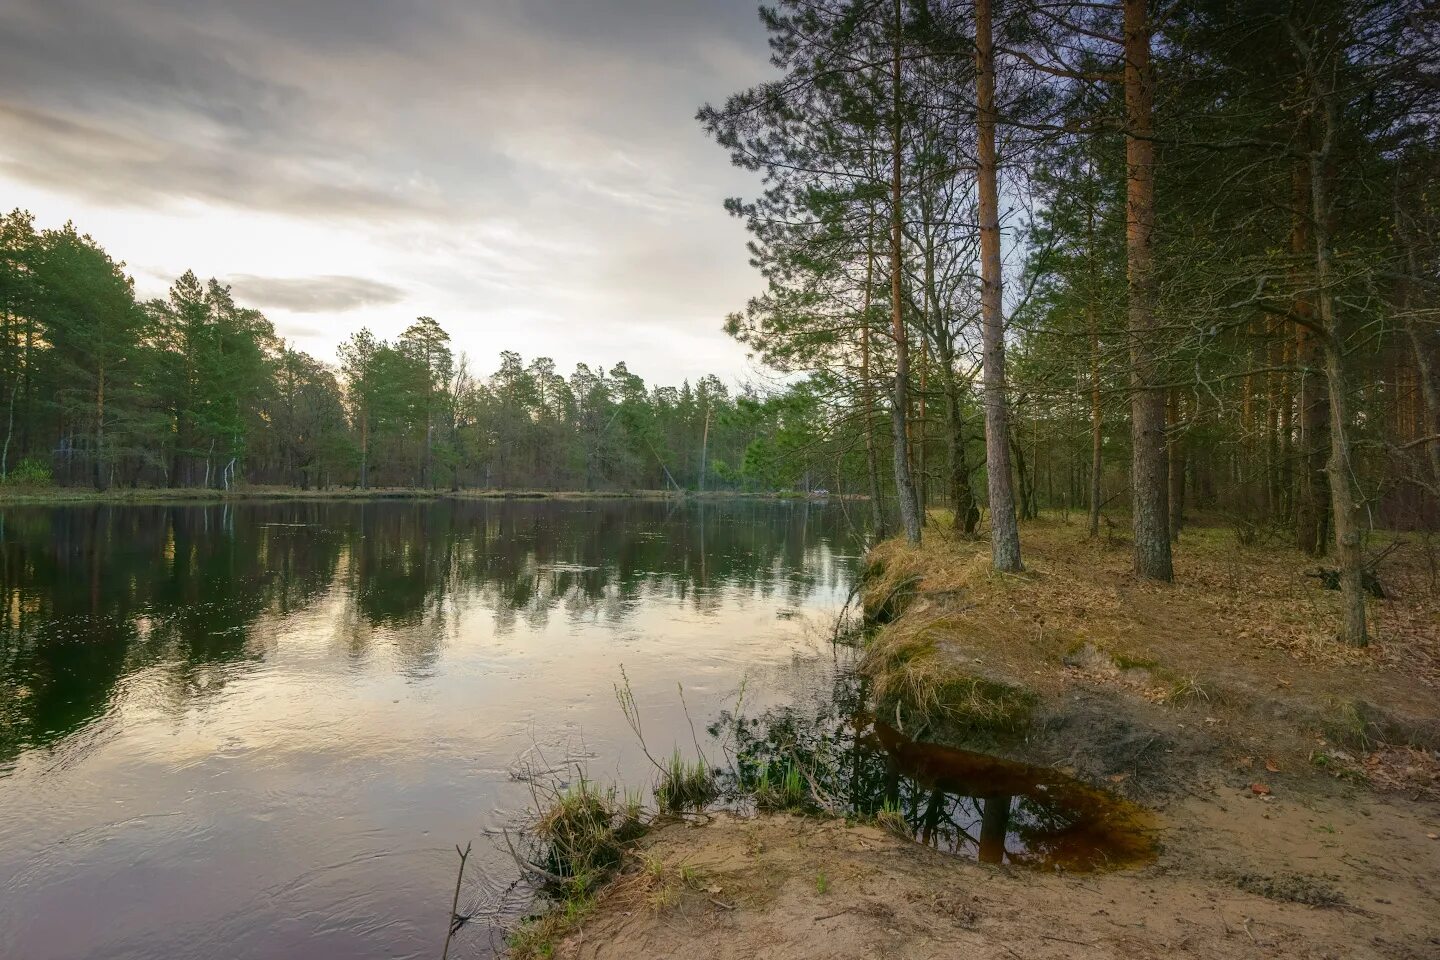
(74,495)
(1296,781)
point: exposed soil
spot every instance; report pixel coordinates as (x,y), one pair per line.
(787,887)
(1296,781)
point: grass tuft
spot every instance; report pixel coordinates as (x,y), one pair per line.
(778,789)
(685,785)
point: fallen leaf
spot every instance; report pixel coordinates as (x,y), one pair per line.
(712,889)
(1272,766)
(1119,777)
(1259,789)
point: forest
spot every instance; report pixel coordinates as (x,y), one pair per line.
(1055,255)
(1129,259)
(195,390)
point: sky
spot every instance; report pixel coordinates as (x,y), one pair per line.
(527,172)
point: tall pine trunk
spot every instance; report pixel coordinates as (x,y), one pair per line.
(867,394)
(1097,423)
(1149,467)
(900,402)
(1348,546)
(1004,531)
(1176,468)
(99,458)
(1313,493)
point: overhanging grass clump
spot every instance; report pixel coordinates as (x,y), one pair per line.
(583,832)
(922,691)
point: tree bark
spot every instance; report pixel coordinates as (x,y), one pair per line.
(1176,468)
(967,512)
(1004,530)
(1097,434)
(867,395)
(1348,547)
(1149,467)
(1313,493)
(900,402)
(99,461)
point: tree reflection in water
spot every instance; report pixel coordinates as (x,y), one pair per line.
(969,804)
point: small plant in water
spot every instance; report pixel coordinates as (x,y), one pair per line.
(890,819)
(685,785)
(784,789)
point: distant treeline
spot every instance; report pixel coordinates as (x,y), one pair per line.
(97,387)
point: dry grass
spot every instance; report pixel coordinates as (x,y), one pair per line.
(1241,628)
(919,684)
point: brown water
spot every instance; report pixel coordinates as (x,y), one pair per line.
(968,804)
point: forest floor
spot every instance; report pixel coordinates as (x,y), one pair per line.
(1296,781)
(64,495)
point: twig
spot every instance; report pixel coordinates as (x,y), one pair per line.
(526,866)
(456,921)
(1083,943)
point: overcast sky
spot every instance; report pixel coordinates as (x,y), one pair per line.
(528,172)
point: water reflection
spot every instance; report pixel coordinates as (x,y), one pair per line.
(969,804)
(255,731)
(92,594)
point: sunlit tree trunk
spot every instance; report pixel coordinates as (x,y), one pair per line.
(1004,531)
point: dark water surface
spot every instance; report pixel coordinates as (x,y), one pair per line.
(968,804)
(257,730)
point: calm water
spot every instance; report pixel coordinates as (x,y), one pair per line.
(257,731)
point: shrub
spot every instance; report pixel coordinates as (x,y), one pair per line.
(30,472)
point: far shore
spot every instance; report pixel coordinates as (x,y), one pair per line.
(41,496)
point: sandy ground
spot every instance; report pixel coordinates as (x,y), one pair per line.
(787,888)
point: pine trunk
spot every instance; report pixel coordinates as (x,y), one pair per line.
(900,402)
(1149,469)
(1004,530)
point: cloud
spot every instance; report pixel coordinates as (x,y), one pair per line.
(324,294)
(527,171)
